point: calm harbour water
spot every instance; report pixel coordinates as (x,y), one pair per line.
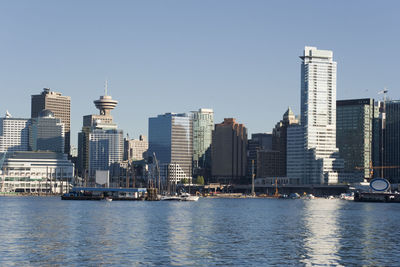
(243,232)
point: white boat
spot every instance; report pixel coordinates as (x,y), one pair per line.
(188,197)
(346,196)
(108,199)
(308,196)
(181,197)
(170,198)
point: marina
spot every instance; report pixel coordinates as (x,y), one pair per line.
(103,193)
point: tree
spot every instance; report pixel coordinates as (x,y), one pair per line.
(200,180)
(184,181)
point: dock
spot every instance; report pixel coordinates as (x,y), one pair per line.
(377,197)
(101,193)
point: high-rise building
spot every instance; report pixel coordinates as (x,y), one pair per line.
(295,154)
(14,134)
(229,152)
(391,141)
(258,142)
(377,139)
(279,140)
(318,116)
(203,125)
(106,146)
(171,140)
(135,149)
(354,137)
(100,143)
(46,133)
(58,104)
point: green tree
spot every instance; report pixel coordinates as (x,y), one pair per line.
(200,180)
(184,181)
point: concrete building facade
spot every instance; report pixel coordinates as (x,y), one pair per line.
(279,141)
(46,133)
(58,104)
(14,134)
(136,149)
(229,152)
(318,117)
(258,142)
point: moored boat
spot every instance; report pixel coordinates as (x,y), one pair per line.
(188,197)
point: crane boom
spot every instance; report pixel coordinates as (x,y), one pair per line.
(158,171)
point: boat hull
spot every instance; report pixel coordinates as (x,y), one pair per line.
(377,197)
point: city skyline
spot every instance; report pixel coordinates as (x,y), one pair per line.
(167,58)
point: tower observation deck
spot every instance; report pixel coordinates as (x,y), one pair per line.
(105,104)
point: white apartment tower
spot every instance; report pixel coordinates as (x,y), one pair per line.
(318,116)
(14,134)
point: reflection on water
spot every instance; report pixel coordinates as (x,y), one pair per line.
(241,232)
(322,239)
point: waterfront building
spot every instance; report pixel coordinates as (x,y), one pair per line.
(136,149)
(36,172)
(203,125)
(229,152)
(318,117)
(46,133)
(14,134)
(391,141)
(171,140)
(354,136)
(58,104)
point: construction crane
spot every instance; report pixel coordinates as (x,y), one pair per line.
(158,171)
(372,168)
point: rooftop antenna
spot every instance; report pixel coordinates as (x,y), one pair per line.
(106,87)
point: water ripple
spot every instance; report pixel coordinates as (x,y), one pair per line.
(226,232)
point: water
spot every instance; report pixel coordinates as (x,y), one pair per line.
(242,232)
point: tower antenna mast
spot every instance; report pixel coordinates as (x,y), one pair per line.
(106,87)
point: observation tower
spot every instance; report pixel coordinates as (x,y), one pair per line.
(105,104)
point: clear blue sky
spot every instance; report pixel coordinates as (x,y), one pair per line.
(238,57)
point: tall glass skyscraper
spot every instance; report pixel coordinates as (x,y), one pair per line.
(354,137)
(106,146)
(171,139)
(318,116)
(391,147)
(203,125)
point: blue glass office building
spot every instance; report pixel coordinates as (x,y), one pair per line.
(391,141)
(171,139)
